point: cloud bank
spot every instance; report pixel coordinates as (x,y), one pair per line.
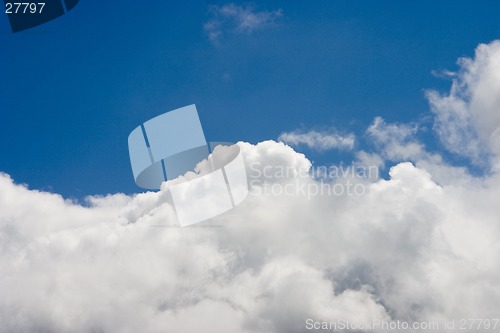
(421,245)
(408,249)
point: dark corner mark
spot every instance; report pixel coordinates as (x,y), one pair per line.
(27,15)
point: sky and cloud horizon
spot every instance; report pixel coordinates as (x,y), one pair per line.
(297,87)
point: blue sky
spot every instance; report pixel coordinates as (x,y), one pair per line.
(72,90)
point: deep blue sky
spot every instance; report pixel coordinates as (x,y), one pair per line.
(72,90)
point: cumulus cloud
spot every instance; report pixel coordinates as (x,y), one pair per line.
(406,248)
(238,18)
(419,246)
(321,141)
(468,117)
(399,142)
(396,142)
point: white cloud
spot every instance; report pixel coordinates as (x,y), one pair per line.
(419,246)
(468,117)
(396,142)
(407,249)
(321,141)
(238,18)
